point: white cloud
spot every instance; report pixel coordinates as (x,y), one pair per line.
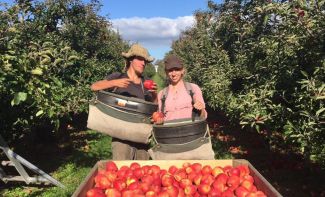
(153,33)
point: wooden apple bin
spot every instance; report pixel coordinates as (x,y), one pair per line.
(260,182)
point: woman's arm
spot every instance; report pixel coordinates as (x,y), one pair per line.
(199,103)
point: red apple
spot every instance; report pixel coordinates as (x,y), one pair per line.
(121,174)
(172,191)
(156,115)
(124,168)
(186,164)
(207,169)
(138,173)
(247,184)
(129,173)
(197,167)
(214,193)
(226,169)
(119,185)
(197,179)
(207,179)
(244,170)
(241,191)
(176,184)
(163,172)
(222,178)
(204,189)
(134,165)
(148,84)
(146,169)
(95,192)
(130,180)
(155,169)
(167,180)
(227,193)
(190,190)
(144,186)
(216,171)
(249,178)
(155,188)
(233,181)
(147,179)
(111,166)
(185,182)
(234,171)
(219,185)
(181,193)
(102,181)
(163,194)
(111,175)
(112,192)
(180,174)
(128,193)
(189,170)
(172,169)
(192,175)
(134,186)
(151,193)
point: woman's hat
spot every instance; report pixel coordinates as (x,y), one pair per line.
(138,50)
(172,61)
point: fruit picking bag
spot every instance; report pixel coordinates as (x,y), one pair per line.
(121,117)
(186,140)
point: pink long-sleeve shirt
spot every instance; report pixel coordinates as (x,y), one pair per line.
(178,103)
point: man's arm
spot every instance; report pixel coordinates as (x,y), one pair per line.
(106,84)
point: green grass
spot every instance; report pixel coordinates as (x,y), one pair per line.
(73,170)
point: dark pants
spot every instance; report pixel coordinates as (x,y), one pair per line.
(126,150)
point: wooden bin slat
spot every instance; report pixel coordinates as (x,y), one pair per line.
(260,182)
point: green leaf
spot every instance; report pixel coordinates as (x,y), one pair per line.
(40,112)
(57,61)
(37,71)
(19,97)
(304,74)
(73,57)
(320,111)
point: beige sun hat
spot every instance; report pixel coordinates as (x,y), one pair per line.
(138,50)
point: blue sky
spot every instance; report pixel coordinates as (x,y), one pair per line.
(152,23)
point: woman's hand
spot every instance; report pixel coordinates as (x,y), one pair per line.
(198,105)
(157,118)
(159,121)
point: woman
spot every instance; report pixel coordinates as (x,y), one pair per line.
(176,136)
(175,101)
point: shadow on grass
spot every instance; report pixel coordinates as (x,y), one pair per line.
(68,162)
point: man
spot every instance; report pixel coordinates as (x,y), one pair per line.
(129,84)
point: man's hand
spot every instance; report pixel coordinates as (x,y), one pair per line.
(121,83)
(154,93)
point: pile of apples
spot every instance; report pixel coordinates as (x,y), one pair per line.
(190,180)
